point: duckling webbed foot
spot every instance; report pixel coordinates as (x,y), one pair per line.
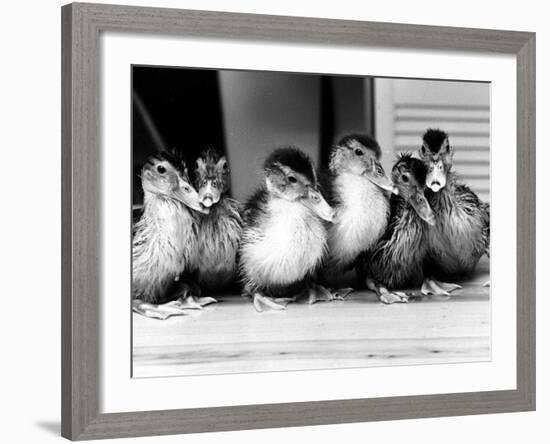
(262,302)
(158,311)
(435,287)
(319,293)
(195,303)
(386,296)
(191,297)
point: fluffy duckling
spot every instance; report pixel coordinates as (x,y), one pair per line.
(358,191)
(219,230)
(284,240)
(398,259)
(461,232)
(165,237)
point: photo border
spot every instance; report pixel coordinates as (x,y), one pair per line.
(81,247)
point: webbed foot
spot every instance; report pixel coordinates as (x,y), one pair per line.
(391,297)
(343,293)
(319,293)
(435,287)
(261,302)
(191,302)
(191,297)
(158,311)
(386,296)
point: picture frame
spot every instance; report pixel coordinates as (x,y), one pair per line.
(81,231)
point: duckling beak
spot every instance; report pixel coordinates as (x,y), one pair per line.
(190,199)
(202,209)
(381,181)
(385,184)
(423,209)
(328,215)
(208,195)
(436,178)
(317,203)
(430,219)
(435,186)
(207,202)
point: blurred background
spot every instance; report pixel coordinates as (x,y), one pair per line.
(247,114)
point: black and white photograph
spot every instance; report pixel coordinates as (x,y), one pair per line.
(275,222)
(294,221)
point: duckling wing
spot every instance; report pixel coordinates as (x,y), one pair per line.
(466,195)
(235,210)
(398,259)
(487,226)
(475,205)
(482,210)
(326,186)
(254,207)
(466,231)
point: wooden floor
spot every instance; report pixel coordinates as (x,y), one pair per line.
(231,337)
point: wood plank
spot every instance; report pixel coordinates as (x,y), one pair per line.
(306,355)
(359,332)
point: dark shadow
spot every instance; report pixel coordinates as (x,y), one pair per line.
(53,427)
(174,108)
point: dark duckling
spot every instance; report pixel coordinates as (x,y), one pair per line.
(358,190)
(284,240)
(461,232)
(399,258)
(220,230)
(165,237)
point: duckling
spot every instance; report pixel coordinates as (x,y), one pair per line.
(165,238)
(220,230)
(284,240)
(359,192)
(461,232)
(398,259)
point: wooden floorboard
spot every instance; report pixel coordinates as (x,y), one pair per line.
(232,337)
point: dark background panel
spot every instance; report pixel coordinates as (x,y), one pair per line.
(244,114)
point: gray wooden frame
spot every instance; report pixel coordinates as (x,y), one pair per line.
(81,231)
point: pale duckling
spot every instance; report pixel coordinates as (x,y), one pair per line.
(284,239)
(358,190)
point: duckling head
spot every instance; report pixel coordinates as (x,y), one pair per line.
(409,177)
(437,154)
(165,175)
(290,175)
(360,154)
(212,175)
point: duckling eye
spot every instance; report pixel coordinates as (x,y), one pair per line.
(292,179)
(315,198)
(404,178)
(379,170)
(358,152)
(161,169)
